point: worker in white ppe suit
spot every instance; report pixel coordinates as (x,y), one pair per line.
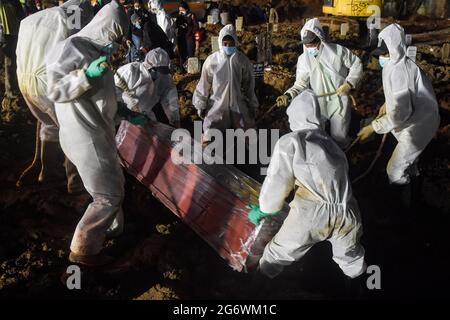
(331,71)
(164,20)
(323,207)
(38,34)
(83,90)
(410,112)
(225,95)
(142,85)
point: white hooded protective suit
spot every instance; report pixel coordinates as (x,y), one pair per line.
(412,112)
(164,21)
(333,66)
(142,92)
(38,34)
(226,89)
(323,207)
(85,109)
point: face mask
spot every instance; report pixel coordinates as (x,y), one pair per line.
(383,61)
(313,51)
(138,25)
(229,50)
(184,13)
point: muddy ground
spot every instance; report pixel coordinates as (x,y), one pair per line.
(161,258)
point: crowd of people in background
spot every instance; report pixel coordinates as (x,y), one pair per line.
(179,32)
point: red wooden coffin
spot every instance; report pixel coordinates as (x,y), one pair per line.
(211,199)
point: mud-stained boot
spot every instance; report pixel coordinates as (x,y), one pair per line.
(97,260)
(51,156)
(74,183)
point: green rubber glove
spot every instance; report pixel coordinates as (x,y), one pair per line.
(138,120)
(95,69)
(255,214)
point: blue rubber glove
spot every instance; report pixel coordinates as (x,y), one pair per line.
(95,69)
(138,120)
(255,214)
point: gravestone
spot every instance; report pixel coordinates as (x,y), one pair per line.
(193,66)
(239,24)
(214,44)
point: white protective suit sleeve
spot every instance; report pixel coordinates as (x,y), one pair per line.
(280,179)
(301,79)
(306,65)
(203,89)
(354,65)
(68,84)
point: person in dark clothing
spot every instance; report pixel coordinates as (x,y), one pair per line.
(257,14)
(96,6)
(187,26)
(135,37)
(139,10)
(30,7)
(155,37)
(11,13)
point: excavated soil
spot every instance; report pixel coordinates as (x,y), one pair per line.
(161,258)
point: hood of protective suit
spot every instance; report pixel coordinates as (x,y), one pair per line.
(228,30)
(86,12)
(315,27)
(155,4)
(394,37)
(156,58)
(108,25)
(304,112)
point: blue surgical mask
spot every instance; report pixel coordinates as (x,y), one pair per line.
(229,51)
(313,51)
(138,25)
(383,61)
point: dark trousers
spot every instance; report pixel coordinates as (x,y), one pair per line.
(186,47)
(9,52)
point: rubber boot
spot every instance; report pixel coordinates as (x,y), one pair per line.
(74,183)
(51,155)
